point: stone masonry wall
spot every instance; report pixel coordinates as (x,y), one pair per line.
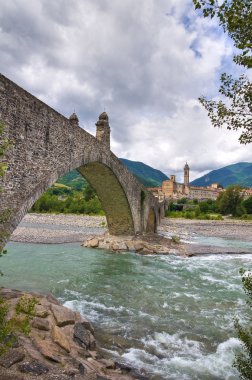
(44,146)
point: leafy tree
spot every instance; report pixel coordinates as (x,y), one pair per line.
(247,204)
(243,360)
(74,202)
(182,201)
(89,192)
(230,201)
(235,17)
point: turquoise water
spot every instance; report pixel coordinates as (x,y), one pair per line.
(171,316)
(221,242)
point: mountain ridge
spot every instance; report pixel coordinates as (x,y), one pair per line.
(234,174)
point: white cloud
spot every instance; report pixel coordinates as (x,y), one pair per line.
(146,62)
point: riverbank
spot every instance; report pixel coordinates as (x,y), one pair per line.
(197,236)
(58,228)
(210,236)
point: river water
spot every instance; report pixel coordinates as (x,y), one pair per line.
(170,315)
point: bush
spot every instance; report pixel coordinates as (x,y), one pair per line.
(246,217)
(175,239)
(247,204)
(189,214)
(174,214)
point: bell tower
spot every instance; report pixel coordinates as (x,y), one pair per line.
(186,174)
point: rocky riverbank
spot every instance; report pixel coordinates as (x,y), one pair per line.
(92,230)
(192,234)
(227,228)
(145,245)
(58,228)
(51,342)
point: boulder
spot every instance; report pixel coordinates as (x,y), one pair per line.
(139,246)
(62,315)
(41,324)
(84,321)
(11,357)
(122,246)
(83,337)
(115,246)
(8,294)
(60,338)
(50,298)
(34,367)
(130,245)
(93,243)
(48,350)
(41,311)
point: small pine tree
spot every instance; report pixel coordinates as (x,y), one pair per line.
(243,360)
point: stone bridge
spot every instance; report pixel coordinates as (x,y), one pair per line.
(44,145)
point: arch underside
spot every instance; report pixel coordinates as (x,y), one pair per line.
(112,196)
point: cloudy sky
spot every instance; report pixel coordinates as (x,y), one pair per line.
(144,61)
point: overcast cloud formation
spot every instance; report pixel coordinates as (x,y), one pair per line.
(145,62)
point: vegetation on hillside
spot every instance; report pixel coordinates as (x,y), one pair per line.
(147,175)
(235,110)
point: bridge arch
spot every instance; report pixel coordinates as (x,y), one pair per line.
(45,145)
(112,196)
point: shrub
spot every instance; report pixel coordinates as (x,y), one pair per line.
(10,328)
(246,217)
(189,215)
(247,204)
(175,239)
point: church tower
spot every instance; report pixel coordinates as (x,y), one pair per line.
(186,175)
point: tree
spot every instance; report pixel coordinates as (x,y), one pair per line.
(243,360)
(235,17)
(89,192)
(247,204)
(230,201)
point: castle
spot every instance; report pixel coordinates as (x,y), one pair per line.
(170,189)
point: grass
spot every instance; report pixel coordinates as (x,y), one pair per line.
(9,328)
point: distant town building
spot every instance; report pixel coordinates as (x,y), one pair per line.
(247,193)
(170,189)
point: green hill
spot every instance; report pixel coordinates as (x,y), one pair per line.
(236,174)
(147,175)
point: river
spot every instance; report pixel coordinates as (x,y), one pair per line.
(170,315)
